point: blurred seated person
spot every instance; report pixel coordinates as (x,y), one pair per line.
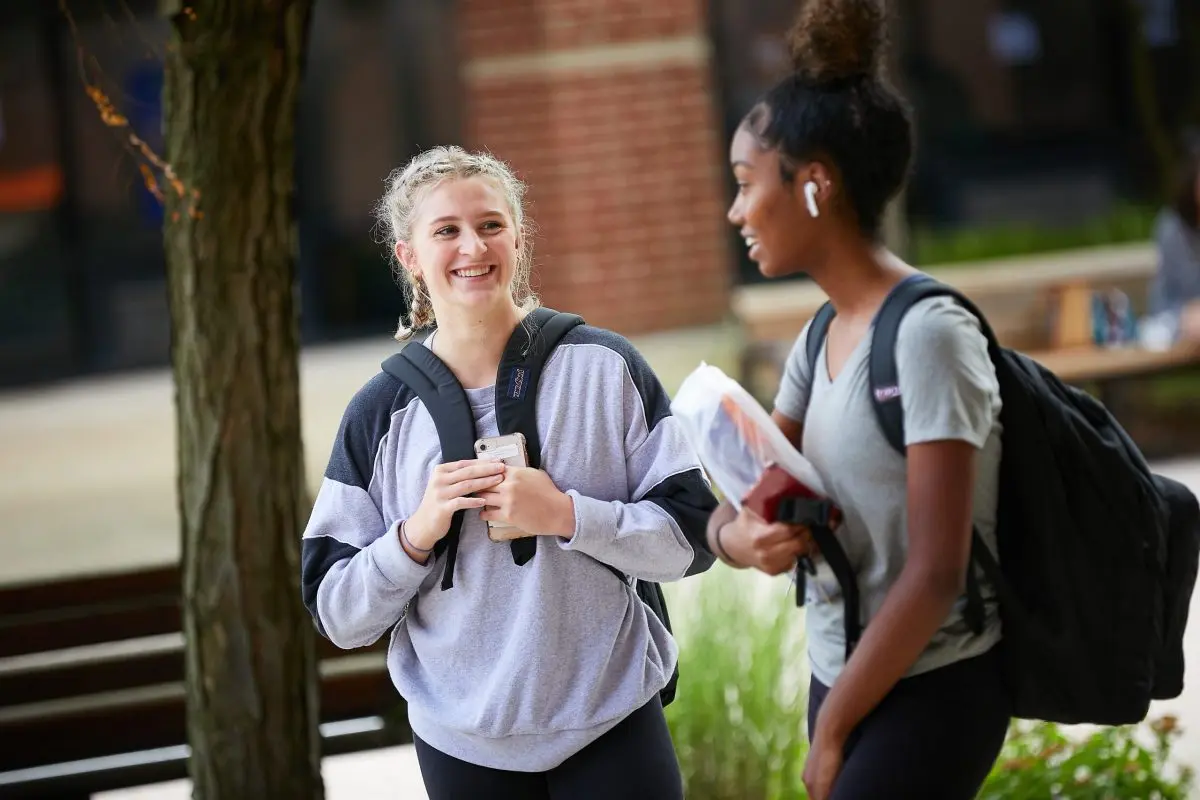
(1176,287)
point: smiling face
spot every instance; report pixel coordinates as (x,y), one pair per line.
(765,210)
(772,214)
(464,246)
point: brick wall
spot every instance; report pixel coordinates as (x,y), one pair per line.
(606,108)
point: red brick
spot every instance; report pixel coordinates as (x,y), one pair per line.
(516,27)
(625,165)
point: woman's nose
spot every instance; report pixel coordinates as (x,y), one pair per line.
(471,243)
(734,215)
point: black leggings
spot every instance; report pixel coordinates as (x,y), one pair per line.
(634,760)
(935,735)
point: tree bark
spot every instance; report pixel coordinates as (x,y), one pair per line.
(233,71)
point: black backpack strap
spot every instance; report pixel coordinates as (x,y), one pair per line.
(517,381)
(884,377)
(816,514)
(818,330)
(418,368)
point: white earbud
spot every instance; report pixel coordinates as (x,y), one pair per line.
(810,194)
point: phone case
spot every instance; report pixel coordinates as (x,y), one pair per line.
(509,448)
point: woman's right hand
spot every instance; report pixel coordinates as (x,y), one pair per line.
(770,547)
(449,490)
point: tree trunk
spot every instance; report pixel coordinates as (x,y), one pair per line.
(233,70)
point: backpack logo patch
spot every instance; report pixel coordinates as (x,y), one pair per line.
(886,393)
(516,383)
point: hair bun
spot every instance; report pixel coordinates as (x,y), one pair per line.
(834,40)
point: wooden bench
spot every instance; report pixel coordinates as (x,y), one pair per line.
(1096,364)
(92,693)
(1034,304)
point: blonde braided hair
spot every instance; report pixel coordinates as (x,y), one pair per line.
(408,185)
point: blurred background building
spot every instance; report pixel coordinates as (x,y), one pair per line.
(1042,124)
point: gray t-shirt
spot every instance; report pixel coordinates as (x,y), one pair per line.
(949,390)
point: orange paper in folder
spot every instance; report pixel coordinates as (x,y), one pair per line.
(734,436)
(747,430)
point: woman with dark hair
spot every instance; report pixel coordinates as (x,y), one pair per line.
(919,708)
(1175,291)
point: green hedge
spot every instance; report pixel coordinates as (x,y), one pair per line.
(739,721)
(1125,224)
(739,718)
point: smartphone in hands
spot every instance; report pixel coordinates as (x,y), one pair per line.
(509,448)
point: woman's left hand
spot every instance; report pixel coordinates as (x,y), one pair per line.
(528,500)
(823,766)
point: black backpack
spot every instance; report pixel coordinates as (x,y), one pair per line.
(517,380)
(1098,555)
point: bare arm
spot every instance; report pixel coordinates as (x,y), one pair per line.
(941,477)
(793,430)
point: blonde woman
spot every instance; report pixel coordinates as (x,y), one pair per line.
(532,681)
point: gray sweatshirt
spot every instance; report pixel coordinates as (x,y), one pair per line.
(515,668)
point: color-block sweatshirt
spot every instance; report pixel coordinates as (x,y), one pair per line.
(515,667)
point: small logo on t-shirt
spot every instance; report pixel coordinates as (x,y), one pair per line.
(516,383)
(885,393)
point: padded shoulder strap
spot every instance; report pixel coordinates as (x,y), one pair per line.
(884,380)
(418,368)
(883,373)
(526,354)
(517,386)
(817,332)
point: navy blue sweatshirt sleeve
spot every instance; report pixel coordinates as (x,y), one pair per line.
(356,578)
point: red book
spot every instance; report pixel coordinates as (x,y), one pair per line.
(772,487)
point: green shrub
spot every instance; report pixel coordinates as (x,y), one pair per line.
(739,721)
(1040,760)
(1123,225)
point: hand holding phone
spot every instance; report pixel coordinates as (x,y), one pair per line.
(526,502)
(508,449)
(452,487)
